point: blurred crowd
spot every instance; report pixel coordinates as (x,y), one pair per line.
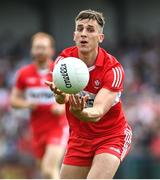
(141,60)
(140,57)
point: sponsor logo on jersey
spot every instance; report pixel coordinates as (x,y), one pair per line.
(40,95)
(91,97)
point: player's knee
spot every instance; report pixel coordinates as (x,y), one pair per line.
(45,170)
(51,161)
(51,173)
(49,168)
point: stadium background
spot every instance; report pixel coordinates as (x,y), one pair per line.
(132,35)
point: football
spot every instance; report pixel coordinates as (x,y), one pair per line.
(70,75)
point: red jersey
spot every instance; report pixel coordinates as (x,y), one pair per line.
(31,81)
(106,73)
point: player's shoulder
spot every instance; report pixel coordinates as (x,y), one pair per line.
(110,61)
(26,69)
(67,52)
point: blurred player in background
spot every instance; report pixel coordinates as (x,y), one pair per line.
(48,122)
(100,136)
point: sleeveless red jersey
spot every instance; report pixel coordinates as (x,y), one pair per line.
(106,73)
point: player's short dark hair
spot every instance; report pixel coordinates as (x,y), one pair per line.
(91,14)
(44,35)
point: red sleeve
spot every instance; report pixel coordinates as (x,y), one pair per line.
(68,52)
(61,56)
(114,78)
(20,80)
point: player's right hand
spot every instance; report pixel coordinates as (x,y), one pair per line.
(54,88)
(60,96)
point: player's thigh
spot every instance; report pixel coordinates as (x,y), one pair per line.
(53,155)
(104,166)
(73,172)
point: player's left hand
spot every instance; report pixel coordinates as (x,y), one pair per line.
(77,103)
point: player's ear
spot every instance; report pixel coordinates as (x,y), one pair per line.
(101,38)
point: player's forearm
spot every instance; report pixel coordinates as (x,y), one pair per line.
(19,103)
(89,114)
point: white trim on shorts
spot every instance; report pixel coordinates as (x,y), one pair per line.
(127,142)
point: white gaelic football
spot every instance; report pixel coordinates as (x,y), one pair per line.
(70,75)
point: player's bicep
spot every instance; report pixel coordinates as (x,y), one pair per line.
(104,100)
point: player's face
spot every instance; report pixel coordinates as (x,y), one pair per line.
(41,49)
(87,35)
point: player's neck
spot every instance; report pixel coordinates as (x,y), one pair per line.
(89,58)
(42,64)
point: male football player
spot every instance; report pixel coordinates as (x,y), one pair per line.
(100,136)
(48,122)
